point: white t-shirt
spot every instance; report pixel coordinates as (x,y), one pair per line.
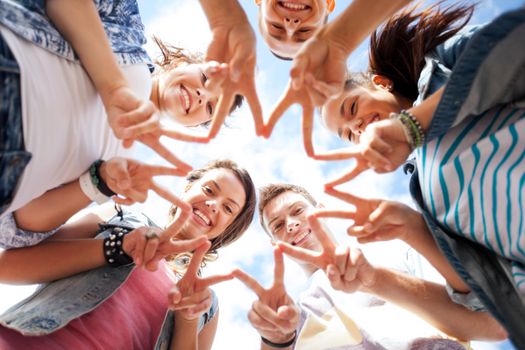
(64,121)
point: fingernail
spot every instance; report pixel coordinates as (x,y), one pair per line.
(367,227)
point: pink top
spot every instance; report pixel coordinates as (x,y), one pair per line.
(129,319)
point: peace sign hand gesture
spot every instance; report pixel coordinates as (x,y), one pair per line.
(375,219)
(190,296)
(347,268)
(274,315)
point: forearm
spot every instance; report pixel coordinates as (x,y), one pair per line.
(185,333)
(52,209)
(49,261)
(217,11)
(359,19)
(423,242)
(431,302)
(79,22)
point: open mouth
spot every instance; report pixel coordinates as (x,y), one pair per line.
(301,237)
(293,6)
(201,217)
(185,98)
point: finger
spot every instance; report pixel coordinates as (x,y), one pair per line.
(222,109)
(183,213)
(259,323)
(217,74)
(375,159)
(196,259)
(339,154)
(288,312)
(357,169)
(202,307)
(117,171)
(162,151)
(307,125)
(187,245)
(282,105)
(299,253)
(249,281)
(338,214)
(140,243)
(378,218)
(150,125)
(122,200)
(328,90)
(141,114)
(255,107)
(319,231)
(297,72)
(135,195)
(184,136)
(357,231)
(174,296)
(216,50)
(211,280)
(346,197)
(334,276)
(279,267)
(159,170)
(268,314)
(193,298)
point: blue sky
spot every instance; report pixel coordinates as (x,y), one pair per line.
(280,159)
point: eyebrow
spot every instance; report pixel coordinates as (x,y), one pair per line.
(219,189)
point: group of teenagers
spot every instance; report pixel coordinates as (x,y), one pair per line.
(78,89)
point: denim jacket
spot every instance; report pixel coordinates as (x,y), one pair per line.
(121,20)
(55,304)
(494,54)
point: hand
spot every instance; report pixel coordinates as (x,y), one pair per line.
(132,179)
(375,219)
(191,296)
(147,252)
(274,315)
(128,116)
(347,268)
(233,43)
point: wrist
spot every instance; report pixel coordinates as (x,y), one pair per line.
(280,342)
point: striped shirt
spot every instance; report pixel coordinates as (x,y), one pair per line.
(472,180)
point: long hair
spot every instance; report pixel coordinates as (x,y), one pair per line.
(239,225)
(398,49)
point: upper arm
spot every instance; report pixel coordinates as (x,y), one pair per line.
(207,334)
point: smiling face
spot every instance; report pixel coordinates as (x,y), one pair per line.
(285,217)
(216,200)
(350,113)
(285,25)
(184,95)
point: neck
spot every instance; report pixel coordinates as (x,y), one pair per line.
(404,102)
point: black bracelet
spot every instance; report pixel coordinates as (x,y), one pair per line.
(94,171)
(112,246)
(279,345)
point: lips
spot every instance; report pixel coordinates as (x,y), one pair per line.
(301,238)
(201,217)
(293,6)
(185,98)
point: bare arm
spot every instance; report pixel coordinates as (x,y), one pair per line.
(431,302)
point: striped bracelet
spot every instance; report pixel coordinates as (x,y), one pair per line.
(413,129)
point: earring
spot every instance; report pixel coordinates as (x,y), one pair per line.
(390,87)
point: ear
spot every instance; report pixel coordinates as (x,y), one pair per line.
(382,82)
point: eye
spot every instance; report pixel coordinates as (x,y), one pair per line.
(228,209)
(277,226)
(353,108)
(207,190)
(304,30)
(276,26)
(298,211)
(204,78)
(209,108)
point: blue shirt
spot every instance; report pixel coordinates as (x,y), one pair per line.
(121,20)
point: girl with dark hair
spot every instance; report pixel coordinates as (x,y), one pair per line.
(465,129)
(123,308)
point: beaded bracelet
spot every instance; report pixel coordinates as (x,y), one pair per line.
(94,171)
(413,129)
(112,246)
(280,345)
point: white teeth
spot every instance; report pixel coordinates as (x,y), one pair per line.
(300,237)
(203,217)
(186,97)
(293,6)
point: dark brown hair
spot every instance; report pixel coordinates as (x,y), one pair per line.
(245,216)
(173,56)
(398,49)
(269,192)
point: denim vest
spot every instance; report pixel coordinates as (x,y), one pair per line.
(494,54)
(121,20)
(55,304)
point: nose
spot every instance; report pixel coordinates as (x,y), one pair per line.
(291,24)
(292,226)
(212,205)
(201,96)
(357,126)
